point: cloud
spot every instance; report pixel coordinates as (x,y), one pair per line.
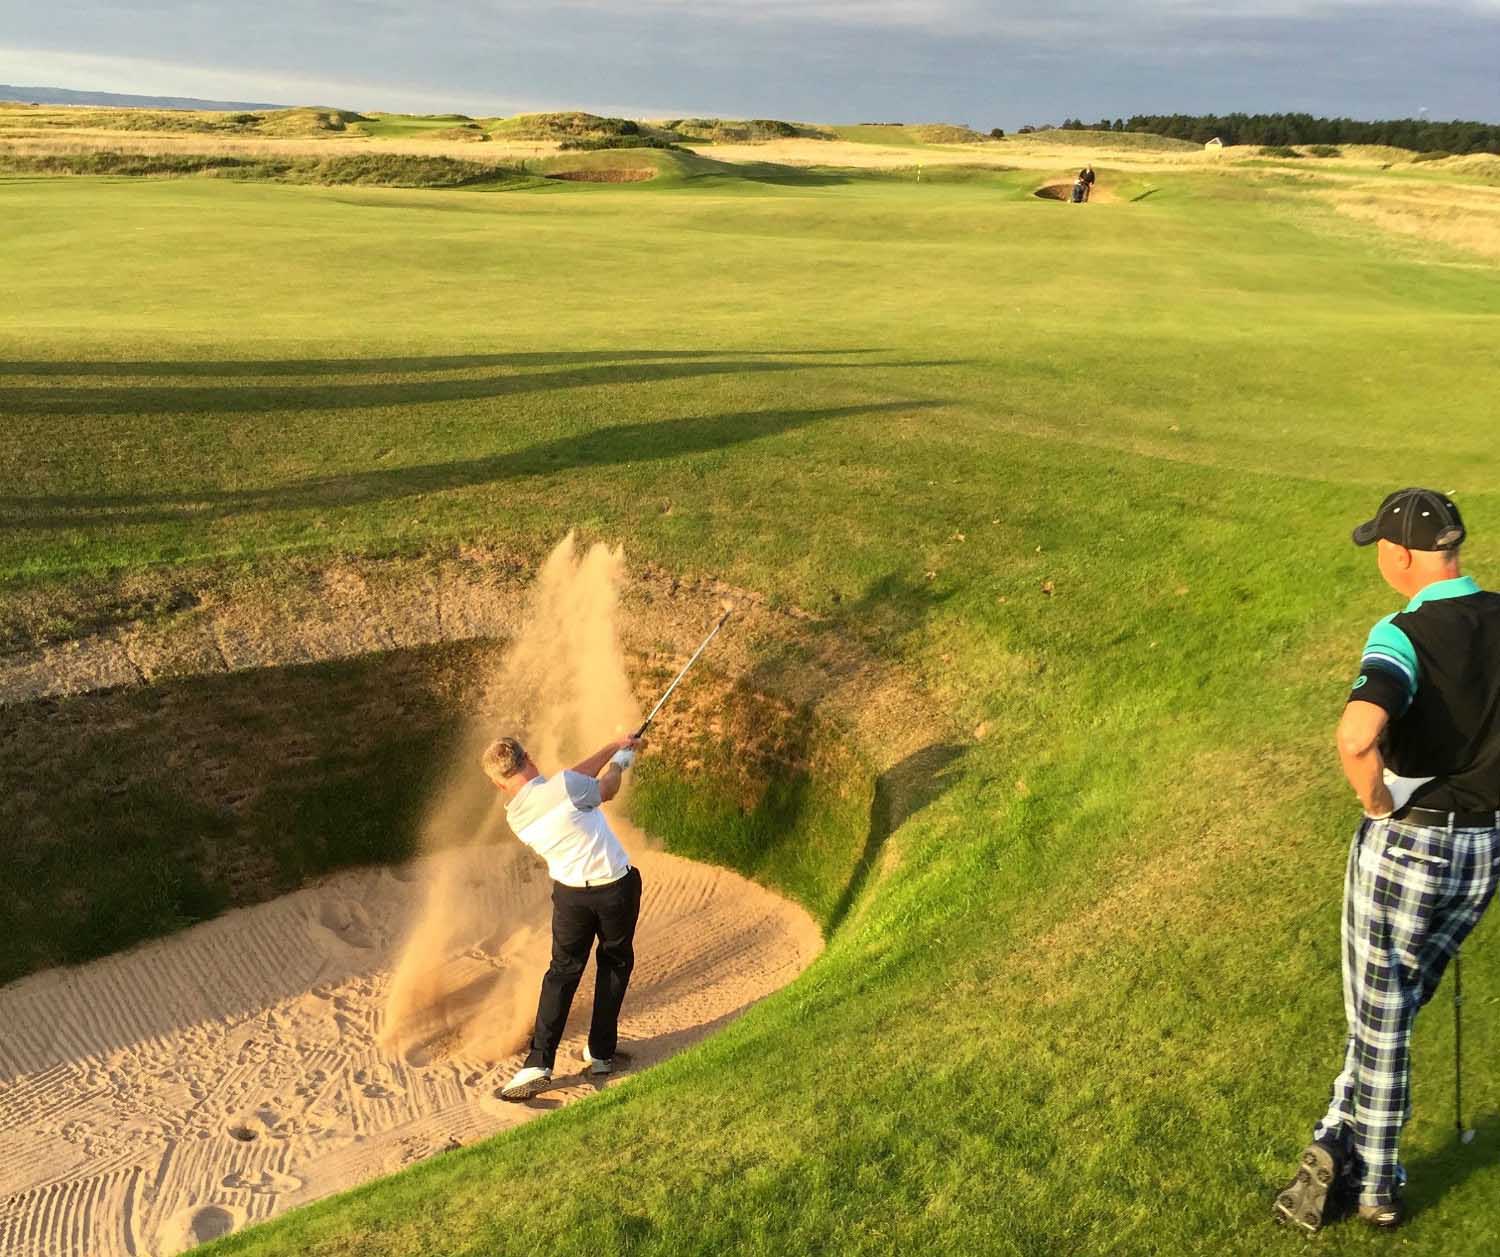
(946,17)
(153,77)
(815,60)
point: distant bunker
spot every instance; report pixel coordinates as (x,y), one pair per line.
(621,174)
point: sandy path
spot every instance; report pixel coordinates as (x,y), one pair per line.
(165,1096)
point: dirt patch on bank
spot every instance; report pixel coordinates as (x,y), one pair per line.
(206,626)
(620,175)
(153,1100)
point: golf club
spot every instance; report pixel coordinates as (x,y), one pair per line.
(641,732)
(1464,1136)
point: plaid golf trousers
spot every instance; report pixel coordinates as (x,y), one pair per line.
(1412,893)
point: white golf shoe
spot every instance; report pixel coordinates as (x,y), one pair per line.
(597,1068)
(527,1083)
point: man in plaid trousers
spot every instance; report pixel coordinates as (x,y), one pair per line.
(1420,744)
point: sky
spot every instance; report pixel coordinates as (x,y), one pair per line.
(1002,63)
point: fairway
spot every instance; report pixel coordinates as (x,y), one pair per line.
(1053,499)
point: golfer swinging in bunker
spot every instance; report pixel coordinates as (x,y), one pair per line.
(595,894)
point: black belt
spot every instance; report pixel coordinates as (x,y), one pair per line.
(597,882)
(1459,820)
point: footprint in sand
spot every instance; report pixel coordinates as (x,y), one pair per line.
(348,921)
(383,1091)
(259,1073)
(252,1126)
(376,1084)
(420,1055)
(190,1227)
(266,1183)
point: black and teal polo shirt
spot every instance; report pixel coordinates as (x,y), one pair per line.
(1435,668)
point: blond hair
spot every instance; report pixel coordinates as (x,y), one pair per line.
(502,759)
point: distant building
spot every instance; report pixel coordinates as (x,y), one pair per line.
(1214,145)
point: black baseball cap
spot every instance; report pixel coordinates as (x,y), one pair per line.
(1419,519)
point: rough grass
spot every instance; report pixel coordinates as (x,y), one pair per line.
(737,131)
(362,169)
(912,134)
(38,143)
(1112,141)
(465,133)
(1083,477)
(71,117)
(307,121)
(1484,167)
(1459,218)
(563,126)
(303,120)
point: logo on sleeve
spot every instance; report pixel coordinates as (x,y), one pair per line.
(1361,681)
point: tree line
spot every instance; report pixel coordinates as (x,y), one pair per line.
(1418,134)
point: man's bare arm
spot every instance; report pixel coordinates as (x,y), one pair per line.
(1359,733)
(598,765)
(592,766)
(609,782)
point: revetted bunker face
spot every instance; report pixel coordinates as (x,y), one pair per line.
(620,175)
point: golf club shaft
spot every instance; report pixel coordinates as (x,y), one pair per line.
(646,724)
(1458,1044)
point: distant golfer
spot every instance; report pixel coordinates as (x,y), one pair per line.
(595,894)
(1426,856)
(1086,177)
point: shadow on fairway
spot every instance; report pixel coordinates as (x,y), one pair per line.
(615,446)
(401,366)
(900,792)
(793,176)
(1436,1174)
(372,386)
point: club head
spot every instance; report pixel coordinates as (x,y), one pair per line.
(1467,1137)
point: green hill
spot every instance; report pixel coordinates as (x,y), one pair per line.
(904,134)
(564,126)
(738,131)
(375,169)
(303,120)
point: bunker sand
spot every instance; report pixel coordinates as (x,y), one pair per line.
(156,1099)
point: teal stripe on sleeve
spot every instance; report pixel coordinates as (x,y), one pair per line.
(1390,648)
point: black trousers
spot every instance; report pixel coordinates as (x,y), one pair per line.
(579,916)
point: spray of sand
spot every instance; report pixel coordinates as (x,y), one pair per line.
(468,975)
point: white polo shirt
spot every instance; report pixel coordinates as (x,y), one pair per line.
(558,817)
